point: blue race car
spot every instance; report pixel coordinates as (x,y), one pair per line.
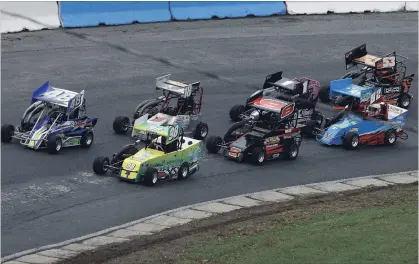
(378,123)
(56,118)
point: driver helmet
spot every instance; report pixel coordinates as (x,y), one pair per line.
(374,110)
(158,142)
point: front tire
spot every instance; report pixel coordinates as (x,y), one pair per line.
(351,141)
(324,94)
(213,144)
(390,137)
(150,176)
(7,132)
(100,165)
(258,156)
(121,124)
(87,139)
(310,127)
(183,172)
(292,152)
(404,101)
(235,112)
(54,144)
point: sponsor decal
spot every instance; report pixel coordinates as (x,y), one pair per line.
(392,90)
(288,110)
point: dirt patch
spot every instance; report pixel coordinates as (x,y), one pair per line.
(168,246)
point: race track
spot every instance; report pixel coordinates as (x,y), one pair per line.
(47,199)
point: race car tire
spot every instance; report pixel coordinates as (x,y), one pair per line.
(54,144)
(7,132)
(324,94)
(139,106)
(120,124)
(145,109)
(213,143)
(183,172)
(404,101)
(258,156)
(87,139)
(390,137)
(310,127)
(201,131)
(292,152)
(150,176)
(99,165)
(351,141)
(235,112)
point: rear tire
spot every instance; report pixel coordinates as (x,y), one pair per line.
(150,176)
(235,112)
(201,131)
(99,165)
(213,143)
(404,101)
(324,94)
(7,132)
(87,139)
(121,124)
(390,137)
(258,156)
(310,127)
(292,152)
(54,144)
(351,141)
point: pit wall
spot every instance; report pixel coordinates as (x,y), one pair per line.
(87,14)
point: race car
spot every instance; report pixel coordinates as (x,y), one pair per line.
(302,92)
(187,109)
(268,133)
(169,156)
(387,72)
(55,119)
(381,123)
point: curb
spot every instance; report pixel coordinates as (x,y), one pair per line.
(153,224)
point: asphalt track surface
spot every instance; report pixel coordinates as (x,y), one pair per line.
(47,199)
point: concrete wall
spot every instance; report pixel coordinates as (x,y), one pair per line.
(83,14)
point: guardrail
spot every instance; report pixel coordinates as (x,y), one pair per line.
(88,14)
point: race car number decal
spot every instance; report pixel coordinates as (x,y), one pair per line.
(173,132)
(375,96)
(130,166)
(188,91)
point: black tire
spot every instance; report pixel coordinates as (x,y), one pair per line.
(236,111)
(201,131)
(7,132)
(390,137)
(258,156)
(292,152)
(183,172)
(324,94)
(213,143)
(138,108)
(404,101)
(54,144)
(99,165)
(233,128)
(150,176)
(121,124)
(310,127)
(342,100)
(147,107)
(351,141)
(87,139)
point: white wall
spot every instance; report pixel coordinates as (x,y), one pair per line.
(342,7)
(412,6)
(44,12)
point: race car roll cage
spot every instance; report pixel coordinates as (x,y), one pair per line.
(195,90)
(382,63)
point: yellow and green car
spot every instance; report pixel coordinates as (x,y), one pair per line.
(168,156)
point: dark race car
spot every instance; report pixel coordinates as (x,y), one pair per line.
(387,72)
(302,92)
(268,133)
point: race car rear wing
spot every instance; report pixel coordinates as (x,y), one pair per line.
(276,80)
(345,87)
(360,56)
(64,98)
(182,89)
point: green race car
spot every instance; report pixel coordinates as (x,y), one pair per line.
(168,155)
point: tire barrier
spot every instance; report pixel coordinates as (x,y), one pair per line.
(87,14)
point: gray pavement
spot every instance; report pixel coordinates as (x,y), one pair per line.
(47,199)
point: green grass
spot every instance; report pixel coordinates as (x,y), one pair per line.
(366,236)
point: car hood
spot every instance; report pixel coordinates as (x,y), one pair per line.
(135,164)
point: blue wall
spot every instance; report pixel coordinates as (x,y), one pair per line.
(83,14)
